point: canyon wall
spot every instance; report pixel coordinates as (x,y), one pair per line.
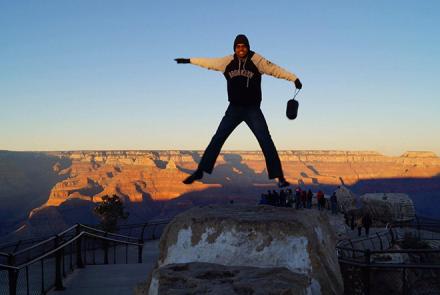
(150,182)
(158,175)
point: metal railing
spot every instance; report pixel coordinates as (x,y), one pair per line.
(43,266)
(144,231)
(14,246)
(371,264)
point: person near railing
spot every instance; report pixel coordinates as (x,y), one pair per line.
(352,219)
(276,198)
(309,199)
(283,198)
(321,200)
(358,223)
(334,203)
(298,198)
(346,219)
(263,200)
(367,222)
(303,199)
(290,199)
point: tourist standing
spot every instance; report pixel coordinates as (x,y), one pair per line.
(321,200)
(358,223)
(297,198)
(334,203)
(282,198)
(367,222)
(303,199)
(290,199)
(309,199)
(263,200)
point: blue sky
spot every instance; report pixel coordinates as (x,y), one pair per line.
(101,75)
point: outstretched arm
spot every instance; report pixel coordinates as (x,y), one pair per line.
(269,68)
(216,64)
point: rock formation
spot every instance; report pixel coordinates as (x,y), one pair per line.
(135,174)
(242,238)
(346,198)
(93,176)
(209,278)
(143,177)
(389,207)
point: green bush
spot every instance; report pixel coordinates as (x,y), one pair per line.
(110,210)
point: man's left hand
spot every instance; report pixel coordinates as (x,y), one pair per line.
(298,84)
(182,60)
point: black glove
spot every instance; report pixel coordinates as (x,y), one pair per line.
(182,60)
(298,84)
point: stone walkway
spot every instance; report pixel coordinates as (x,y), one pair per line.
(343,231)
(118,279)
(113,279)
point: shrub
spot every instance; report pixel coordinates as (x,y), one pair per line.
(110,210)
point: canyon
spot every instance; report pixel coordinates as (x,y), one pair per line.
(42,192)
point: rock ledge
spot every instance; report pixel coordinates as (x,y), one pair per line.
(301,242)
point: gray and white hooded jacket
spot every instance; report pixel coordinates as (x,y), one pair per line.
(244,76)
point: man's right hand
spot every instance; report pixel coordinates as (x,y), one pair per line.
(182,60)
(298,84)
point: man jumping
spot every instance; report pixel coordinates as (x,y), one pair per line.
(242,71)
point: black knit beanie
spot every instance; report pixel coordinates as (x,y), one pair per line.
(241,39)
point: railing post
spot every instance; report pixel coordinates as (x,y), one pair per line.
(367,272)
(12,276)
(58,271)
(393,238)
(79,261)
(404,284)
(380,240)
(141,244)
(154,232)
(126,253)
(143,230)
(105,244)
(353,254)
(418,230)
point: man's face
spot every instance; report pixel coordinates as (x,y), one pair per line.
(241,50)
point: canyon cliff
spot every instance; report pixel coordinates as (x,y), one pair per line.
(150,182)
(158,175)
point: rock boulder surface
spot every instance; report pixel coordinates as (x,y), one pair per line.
(346,198)
(389,207)
(300,241)
(209,278)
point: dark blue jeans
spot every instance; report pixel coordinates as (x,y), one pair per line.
(254,118)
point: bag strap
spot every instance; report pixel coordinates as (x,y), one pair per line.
(296,93)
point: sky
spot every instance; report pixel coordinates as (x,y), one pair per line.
(100,75)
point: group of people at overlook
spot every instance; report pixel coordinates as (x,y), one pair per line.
(300,199)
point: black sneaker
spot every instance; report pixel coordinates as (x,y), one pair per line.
(198,174)
(282,182)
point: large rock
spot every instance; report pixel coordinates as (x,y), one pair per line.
(346,198)
(302,241)
(208,278)
(389,207)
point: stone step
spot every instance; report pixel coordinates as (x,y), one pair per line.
(111,279)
